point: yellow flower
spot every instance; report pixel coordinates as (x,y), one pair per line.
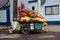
(33,18)
(25,18)
(40,19)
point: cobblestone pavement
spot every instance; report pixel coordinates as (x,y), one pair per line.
(53,33)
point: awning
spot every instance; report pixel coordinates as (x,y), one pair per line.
(3,3)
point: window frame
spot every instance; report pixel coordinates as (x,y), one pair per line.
(51,9)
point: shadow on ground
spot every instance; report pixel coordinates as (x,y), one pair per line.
(4,35)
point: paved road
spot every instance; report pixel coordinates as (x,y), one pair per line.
(52,34)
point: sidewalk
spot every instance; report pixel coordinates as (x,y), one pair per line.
(53,28)
(3,27)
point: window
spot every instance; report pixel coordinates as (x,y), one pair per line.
(52,10)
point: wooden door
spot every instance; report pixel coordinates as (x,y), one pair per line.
(14,9)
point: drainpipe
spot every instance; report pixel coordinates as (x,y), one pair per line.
(39,7)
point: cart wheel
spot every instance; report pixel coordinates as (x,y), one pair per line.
(25,29)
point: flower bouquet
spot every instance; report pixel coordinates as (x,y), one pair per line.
(26,15)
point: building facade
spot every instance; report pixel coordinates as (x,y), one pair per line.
(6,12)
(50,10)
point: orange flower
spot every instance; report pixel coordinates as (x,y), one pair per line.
(45,24)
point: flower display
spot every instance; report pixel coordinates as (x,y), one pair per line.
(45,24)
(27,15)
(25,19)
(39,18)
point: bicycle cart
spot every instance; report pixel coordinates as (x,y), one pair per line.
(29,20)
(26,27)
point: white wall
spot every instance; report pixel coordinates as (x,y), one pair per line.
(51,17)
(11,11)
(47,3)
(28,5)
